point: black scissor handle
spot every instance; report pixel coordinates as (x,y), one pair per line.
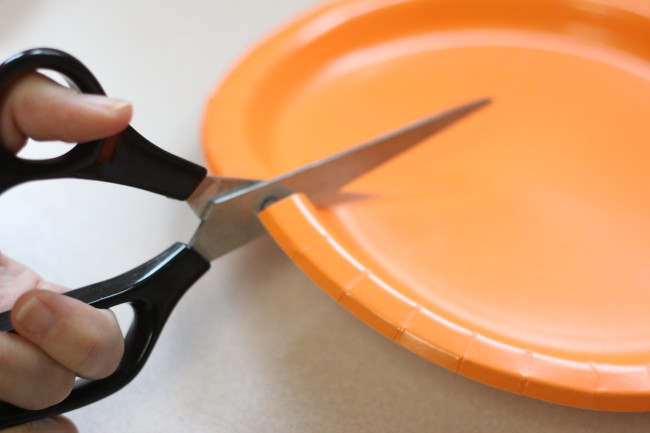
(127,158)
(152,290)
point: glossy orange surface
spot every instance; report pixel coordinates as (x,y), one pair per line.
(514,247)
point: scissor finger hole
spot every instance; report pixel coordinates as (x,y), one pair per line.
(47,149)
(125,315)
(44,150)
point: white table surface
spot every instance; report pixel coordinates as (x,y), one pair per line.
(254,346)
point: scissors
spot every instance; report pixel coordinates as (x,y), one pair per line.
(227,208)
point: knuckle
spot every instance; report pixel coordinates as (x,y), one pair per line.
(60,386)
(53,388)
(99,351)
(29,378)
(86,360)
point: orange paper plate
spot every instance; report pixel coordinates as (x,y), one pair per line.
(514,247)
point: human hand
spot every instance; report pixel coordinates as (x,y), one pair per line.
(58,338)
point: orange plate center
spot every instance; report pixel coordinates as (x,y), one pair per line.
(528,223)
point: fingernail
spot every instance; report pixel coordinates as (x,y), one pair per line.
(35,316)
(104,102)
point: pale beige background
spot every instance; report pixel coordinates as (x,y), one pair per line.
(254,346)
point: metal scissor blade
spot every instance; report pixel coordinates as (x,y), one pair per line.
(213,186)
(230,220)
(323,178)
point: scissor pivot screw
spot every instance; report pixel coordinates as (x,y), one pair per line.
(268,202)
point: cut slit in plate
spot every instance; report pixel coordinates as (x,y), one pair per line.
(513,247)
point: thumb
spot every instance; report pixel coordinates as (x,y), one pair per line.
(57,424)
(36,107)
